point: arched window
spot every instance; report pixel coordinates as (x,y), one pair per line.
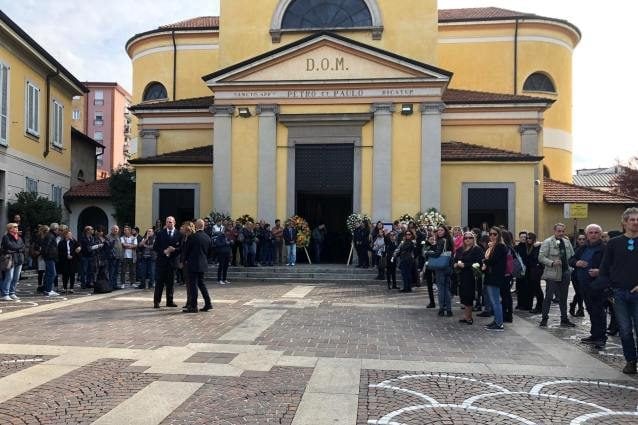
(300,15)
(155,91)
(546,172)
(539,82)
(327,14)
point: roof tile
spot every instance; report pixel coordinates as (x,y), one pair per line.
(459,151)
(96,189)
(556,192)
(199,22)
(455,96)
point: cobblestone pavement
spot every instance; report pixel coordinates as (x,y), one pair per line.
(410,397)
(297,354)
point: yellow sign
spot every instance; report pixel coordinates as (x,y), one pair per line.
(576,210)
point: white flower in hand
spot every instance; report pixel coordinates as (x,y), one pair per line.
(476,266)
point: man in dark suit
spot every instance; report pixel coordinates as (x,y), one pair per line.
(167,246)
(196,252)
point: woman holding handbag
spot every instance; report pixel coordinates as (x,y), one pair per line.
(12,249)
(441,262)
(378,250)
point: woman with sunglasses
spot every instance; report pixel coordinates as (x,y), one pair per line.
(444,244)
(466,256)
(494,268)
(405,254)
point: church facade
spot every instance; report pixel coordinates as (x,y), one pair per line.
(321,109)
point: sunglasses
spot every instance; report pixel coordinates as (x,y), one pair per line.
(631,244)
(493,234)
(468,237)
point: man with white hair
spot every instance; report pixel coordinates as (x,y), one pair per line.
(586,261)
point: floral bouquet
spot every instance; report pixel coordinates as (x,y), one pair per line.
(216,216)
(354,220)
(478,273)
(429,218)
(405,219)
(303,231)
(246,218)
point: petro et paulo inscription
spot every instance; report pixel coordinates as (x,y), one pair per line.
(337,93)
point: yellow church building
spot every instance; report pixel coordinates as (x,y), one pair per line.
(322,108)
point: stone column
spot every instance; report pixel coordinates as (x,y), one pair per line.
(382,162)
(530,141)
(431,155)
(267,174)
(148,147)
(531,145)
(222,157)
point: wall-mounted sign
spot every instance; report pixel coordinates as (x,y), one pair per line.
(575,210)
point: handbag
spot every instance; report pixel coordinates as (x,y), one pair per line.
(6,262)
(442,262)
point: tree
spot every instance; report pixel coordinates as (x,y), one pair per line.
(34,210)
(627,179)
(122,185)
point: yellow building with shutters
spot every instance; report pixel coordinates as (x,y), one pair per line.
(36,94)
(325,108)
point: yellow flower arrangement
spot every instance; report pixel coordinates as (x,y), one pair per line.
(303,230)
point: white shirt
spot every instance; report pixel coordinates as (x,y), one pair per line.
(130,240)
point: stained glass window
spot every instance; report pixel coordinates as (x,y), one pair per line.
(539,82)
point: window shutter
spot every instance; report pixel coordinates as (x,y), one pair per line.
(4,103)
(36,110)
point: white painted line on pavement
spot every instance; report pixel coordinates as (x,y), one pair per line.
(251,328)
(151,405)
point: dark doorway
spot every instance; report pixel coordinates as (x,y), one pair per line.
(179,203)
(489,206)
(94,217)
(324,177)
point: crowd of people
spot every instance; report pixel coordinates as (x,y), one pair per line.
(481,266)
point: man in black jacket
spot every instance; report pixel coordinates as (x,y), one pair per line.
(620,269)
(586,262)
(167,245)
(196,252)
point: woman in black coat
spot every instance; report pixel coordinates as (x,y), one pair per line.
(533,273)
(468,255)
(391,266)
(494,268)
(68,260)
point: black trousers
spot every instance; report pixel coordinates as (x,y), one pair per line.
(536,292)
(506,299)
(595,302)
(237,251)
(68,277)
(222,268)
(165,276)
(428,275)
(195,282)
(391,273)
(523,294)
(578,292)
(362,255)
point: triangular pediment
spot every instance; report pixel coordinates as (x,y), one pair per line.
(326,57)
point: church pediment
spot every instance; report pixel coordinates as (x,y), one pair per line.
(326,57)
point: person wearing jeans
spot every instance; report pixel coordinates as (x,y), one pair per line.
(444,244)
(50,254)
(554,254)
(290,240)
(494,266)
(12,246)
(115,252)
(619,269)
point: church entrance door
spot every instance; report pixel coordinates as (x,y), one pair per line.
(324,175)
